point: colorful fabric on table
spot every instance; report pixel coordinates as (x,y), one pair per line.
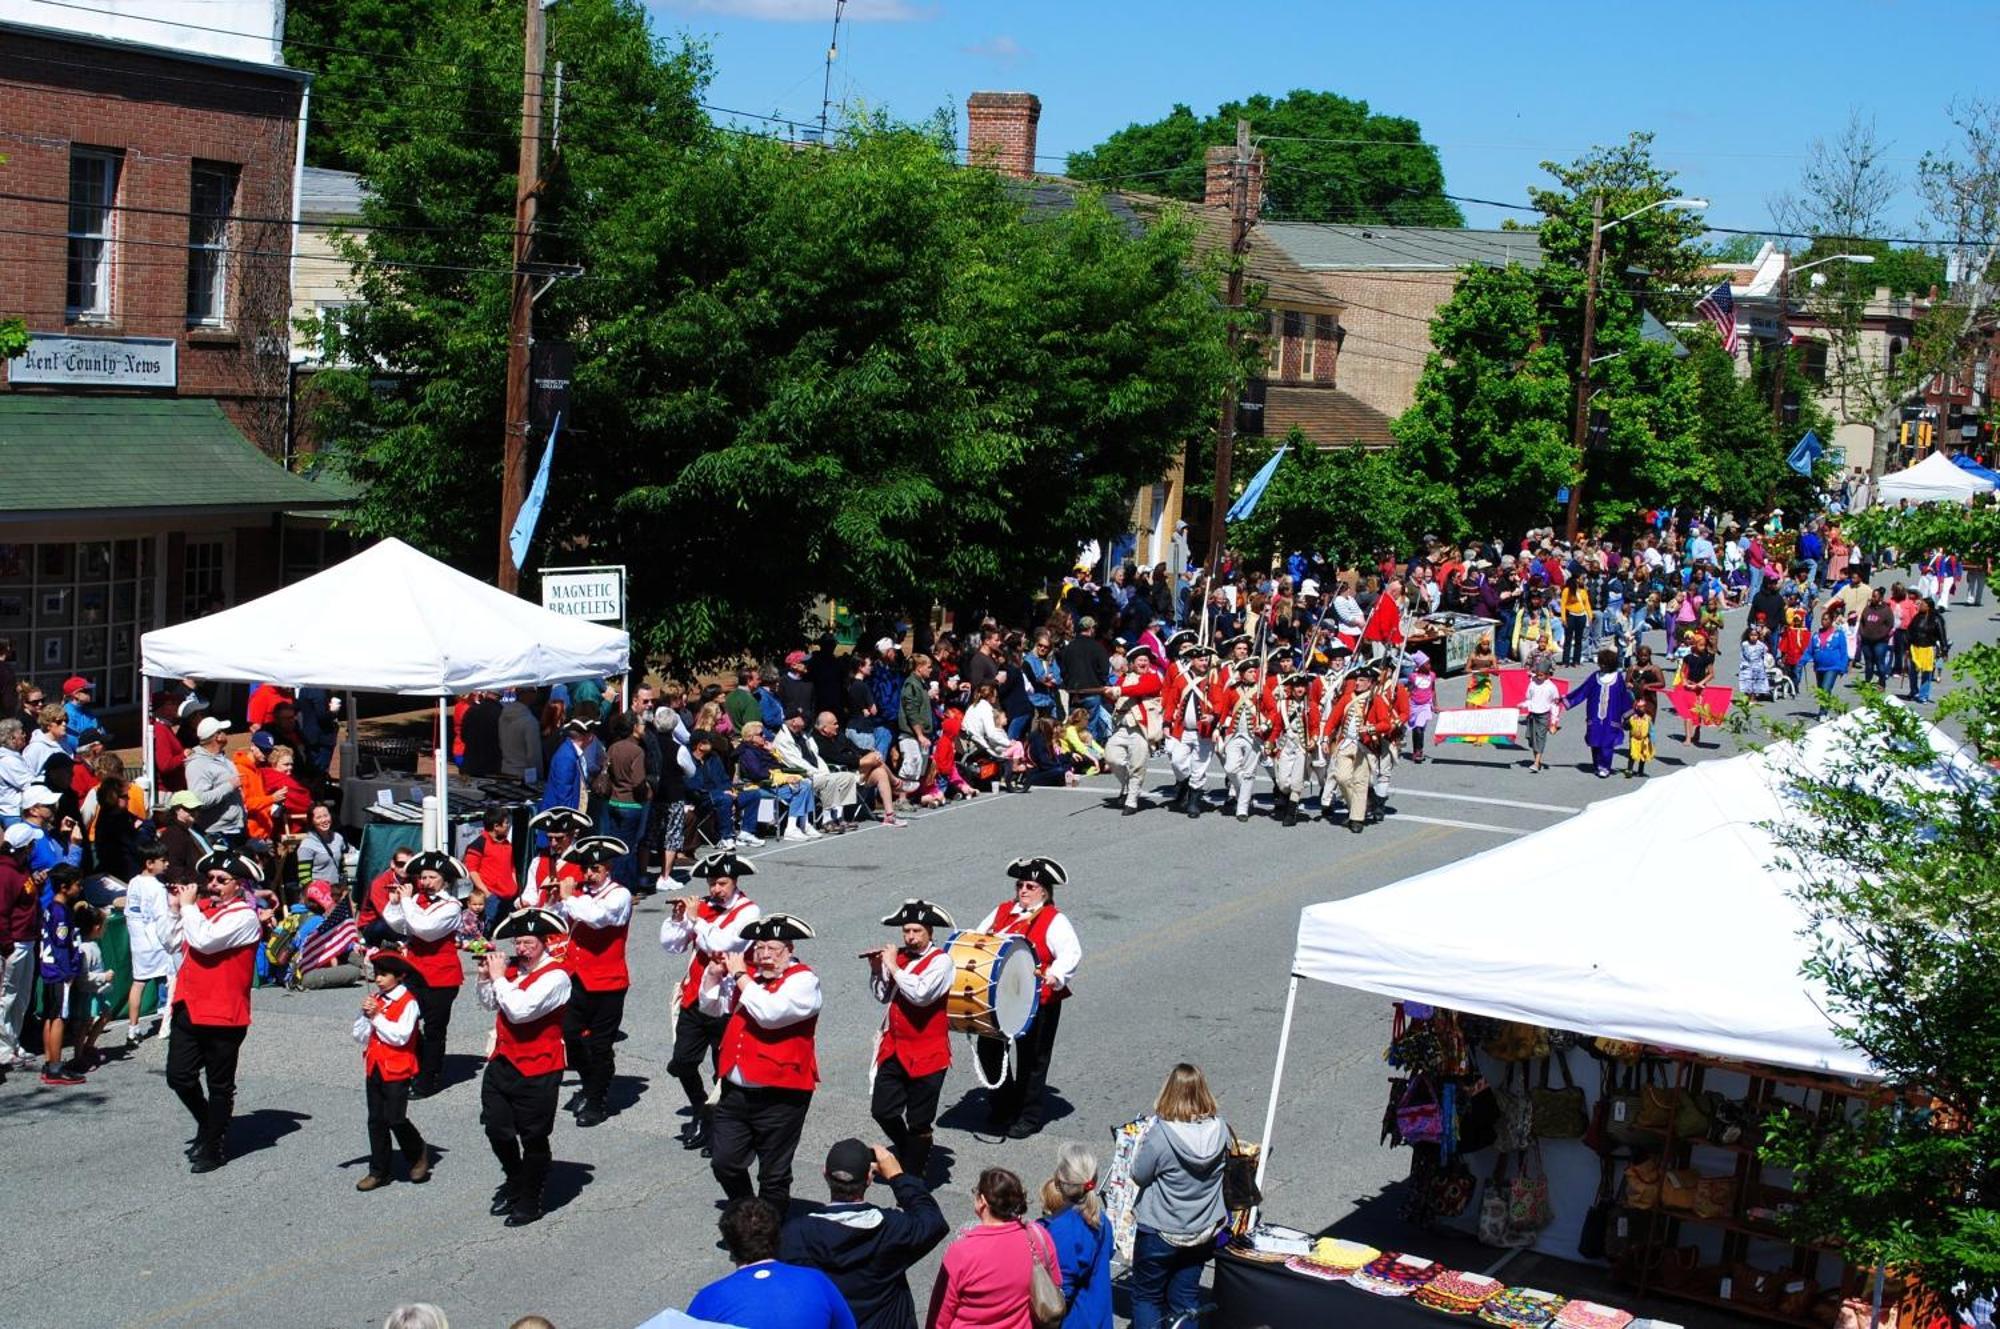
(1392,1275)
(1590,1315)
(1339,1255)
(1521,1308)
(1456,1292)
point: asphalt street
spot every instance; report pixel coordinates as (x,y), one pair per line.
(1187,929)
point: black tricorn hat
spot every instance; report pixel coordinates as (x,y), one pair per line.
(724,864)
(779,927)
(436,860)
(1042,870)
(240,866)
(921,912)
(531,923)
(560,819)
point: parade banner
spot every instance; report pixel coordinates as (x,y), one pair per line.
(1514,685)
(1707,707)
(1479,722)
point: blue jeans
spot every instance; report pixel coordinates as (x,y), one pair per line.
(1018,726)
(627,823)
(1166,1279)
(1756,581)
(1875,662)
(796,799)
(736,811)
(496,909)
(1100,717)
(885,743)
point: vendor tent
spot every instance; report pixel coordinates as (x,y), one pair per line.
(390,619)
(1975,470)
(1933,479)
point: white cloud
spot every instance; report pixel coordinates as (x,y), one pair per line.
(806,11)
(1003,50)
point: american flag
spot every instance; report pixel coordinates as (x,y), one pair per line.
(332,939)
(1719,308)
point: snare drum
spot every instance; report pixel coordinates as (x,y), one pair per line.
(993,989)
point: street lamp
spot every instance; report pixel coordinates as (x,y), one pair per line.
(1785,271)
(1579,427)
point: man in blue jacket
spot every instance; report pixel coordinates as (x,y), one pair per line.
(866,1250)
(564,787)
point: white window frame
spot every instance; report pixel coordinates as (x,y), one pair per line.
(208,246)
(92,225)
(1308,347)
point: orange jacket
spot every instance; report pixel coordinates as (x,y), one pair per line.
(256,800)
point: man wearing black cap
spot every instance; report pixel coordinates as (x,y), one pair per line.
(710,925)
(865,1249)
(423,909)
(386,1029)
(517,1098)
(599,912)
(913,1049)
(219,928)
(1017,1108)
(1135,702)
(769,1064)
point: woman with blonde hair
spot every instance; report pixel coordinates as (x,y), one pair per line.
(1178,1170)
(1074,1217)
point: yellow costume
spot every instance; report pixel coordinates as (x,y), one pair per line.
(1639,728)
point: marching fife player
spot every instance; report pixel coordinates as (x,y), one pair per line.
(599,913)
(219,933)
(710,925)
(1135,699)
(550,867)
(913,1050)
(1190,703)
(517,1099)
(769,1063)
(423,908)
(1016,1108)
(386,1029)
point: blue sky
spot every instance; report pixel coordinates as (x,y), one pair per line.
(1735,93)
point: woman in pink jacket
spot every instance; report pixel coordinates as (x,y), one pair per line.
(985,1281)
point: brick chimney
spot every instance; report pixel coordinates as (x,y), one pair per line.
(1000,131)
(1221,178)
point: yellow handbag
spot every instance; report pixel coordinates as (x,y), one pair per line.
(1642,1184)
(1677,1189)
(1715,1197)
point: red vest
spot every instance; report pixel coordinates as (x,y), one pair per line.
(698,962)
(436,962)
(215,985)
(386,1059)
(917,1036)
(536,1047)
(771,1058)
(1006,920)
(597,957)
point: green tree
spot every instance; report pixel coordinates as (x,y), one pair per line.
(13,331)
(1348,503)
(1895,858)
(1330,158)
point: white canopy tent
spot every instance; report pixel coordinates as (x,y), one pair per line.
(1934,479)
(390,619)
(1553,930)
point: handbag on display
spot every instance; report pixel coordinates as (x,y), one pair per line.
(1516,1130)
(1496,1223)
(1715,1197)
(1642,1183)
(1751,1286)
(1728,1120)
(1626,1231)
(1420,1117)
(1528,1205)
(1597,1219)
(1448,1191)
(1240,1192)
(1559,1114)
(1677,1188)
(1621,1118)
(1478,1119)
(1518,1042)
(1398,1086)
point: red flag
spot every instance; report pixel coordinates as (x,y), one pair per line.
(1385,622)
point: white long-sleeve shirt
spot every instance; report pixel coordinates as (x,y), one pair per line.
(797,998)
(519,1000)
(984,730)
(432,922)
(610,908)
(395,1032)
(1063,946)
(796,757)
(679,935)
(235,924)
(15,777)
(921,989)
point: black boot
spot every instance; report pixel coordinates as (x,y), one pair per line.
(1374,808)
(1178,803)
(527,1206)
(1291,812)
(1280,804)
(503,1196)
(1196,798)
(915,1155)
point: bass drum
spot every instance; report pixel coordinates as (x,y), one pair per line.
(994,993)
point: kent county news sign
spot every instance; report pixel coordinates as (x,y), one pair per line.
(594,593)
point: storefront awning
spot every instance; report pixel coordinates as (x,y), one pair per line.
(75,456)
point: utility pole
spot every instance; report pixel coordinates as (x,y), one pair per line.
(1580,428)
(1784,342)
(520,326)
(1225,432)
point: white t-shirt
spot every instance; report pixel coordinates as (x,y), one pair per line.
(146,924)
(1542,697)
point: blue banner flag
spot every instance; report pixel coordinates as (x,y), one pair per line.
(1805,452)
(523,533)
(1247,503)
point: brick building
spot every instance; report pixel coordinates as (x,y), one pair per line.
(152,175)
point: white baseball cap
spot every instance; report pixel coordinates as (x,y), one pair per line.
(209,728)
(39,796)
(884,645)
(20,835)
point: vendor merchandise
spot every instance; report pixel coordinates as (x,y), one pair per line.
(1521,1308)
(1456,1292)
(1392,1275)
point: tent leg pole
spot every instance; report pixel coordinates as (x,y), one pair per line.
(146,782)
(350,737)
(439,758)
(1277,1081)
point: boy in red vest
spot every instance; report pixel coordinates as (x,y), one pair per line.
(599,913)
(219,928)
(913,1051)
(517,1099)
(386,1029)
(769,1065)
(710,926)
(423,908)
(1016,1109)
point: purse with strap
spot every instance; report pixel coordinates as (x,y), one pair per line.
(1047,1306)
(1240,1192)
(1559,1114)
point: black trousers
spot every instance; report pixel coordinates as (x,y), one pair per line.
(590,1034)
(434,1022)
(760,1123)
(905,1107)
(1022,1098)
(389,1114)
(519,1114)
(696,1036)
(198,1052)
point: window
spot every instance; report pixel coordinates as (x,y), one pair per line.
(1324,335)
(1295,331)
(1812,361)
(209,204)
(204,571)
(1274,343)
(1308,354)
(93,190)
